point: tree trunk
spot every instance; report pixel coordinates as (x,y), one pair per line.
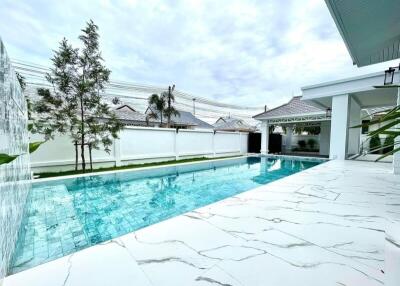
(76,155)
(90,156)
(82,138)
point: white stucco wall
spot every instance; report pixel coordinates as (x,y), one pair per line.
(141,145)
(339,123)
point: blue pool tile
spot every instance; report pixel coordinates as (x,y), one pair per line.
(67,215)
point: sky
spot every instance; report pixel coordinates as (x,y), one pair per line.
(243,52)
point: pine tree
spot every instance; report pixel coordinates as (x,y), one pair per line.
(75,106)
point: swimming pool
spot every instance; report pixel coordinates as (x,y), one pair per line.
(67,215)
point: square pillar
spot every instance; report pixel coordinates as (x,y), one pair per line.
(339,127)
(288,139)
(354,134)
(324,138)
(396,156)
(264,137)
(117,150)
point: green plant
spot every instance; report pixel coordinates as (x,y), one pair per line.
(389,125)
(170,109)
(34,146)
(312,143)
(5,158)
(302,144)
(76,106)
(158,103)
(388,144)
(375,144)
(312,130)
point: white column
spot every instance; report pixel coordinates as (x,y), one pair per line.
(396,156)
(353,144)
(176,151)
(288,139)
(240,143)
(264,137)
(339,129)
(117,150)
(213,143)
(324,138)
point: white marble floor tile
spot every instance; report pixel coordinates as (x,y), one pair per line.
(323,226)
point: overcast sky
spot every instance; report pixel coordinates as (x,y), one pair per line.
(240,52)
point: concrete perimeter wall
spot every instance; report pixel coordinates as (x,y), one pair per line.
(141,145)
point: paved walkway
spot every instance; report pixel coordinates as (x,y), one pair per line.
(324,226)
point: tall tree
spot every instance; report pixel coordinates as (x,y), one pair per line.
(75,106)
(170,109)
(158,103)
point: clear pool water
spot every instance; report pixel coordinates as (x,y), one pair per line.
(66,215)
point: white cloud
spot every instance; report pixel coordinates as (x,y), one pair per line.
(240,52)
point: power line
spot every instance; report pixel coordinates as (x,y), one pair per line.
(137,94)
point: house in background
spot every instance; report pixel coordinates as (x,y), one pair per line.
(129,116)
(185,120)
(233,124)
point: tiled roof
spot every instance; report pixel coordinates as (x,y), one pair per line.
(127,113)
(232,124)
(185,118)
(190,119)
(295,106)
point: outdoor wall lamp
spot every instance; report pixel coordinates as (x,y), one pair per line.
(389,78)
(328,112)
(389,75)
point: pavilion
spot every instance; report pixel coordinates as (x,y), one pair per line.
(295,113)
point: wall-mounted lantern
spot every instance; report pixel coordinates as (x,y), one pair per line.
(328,112)
(389,75)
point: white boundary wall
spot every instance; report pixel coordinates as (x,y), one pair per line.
(141,145)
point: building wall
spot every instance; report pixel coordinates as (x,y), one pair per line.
(141,145)
(14,176)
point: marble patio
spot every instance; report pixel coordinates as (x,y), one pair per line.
(323,226)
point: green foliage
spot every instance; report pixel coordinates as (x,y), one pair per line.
(170,109)
(302,144)
(388,125)
(34,146)
(75,105)
(312,130)
(388,144)
(312,143)
(162,106)
(375,144)
(21,81)
(5,158)
(158,103)
(271,129)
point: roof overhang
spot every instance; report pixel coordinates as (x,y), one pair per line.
(296,118)
(370,29)
(362,88)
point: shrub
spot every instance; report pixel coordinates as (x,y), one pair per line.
(389,141)
(302,144)
(375,143)
(311,143)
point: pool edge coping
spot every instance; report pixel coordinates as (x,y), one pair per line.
(299,158)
